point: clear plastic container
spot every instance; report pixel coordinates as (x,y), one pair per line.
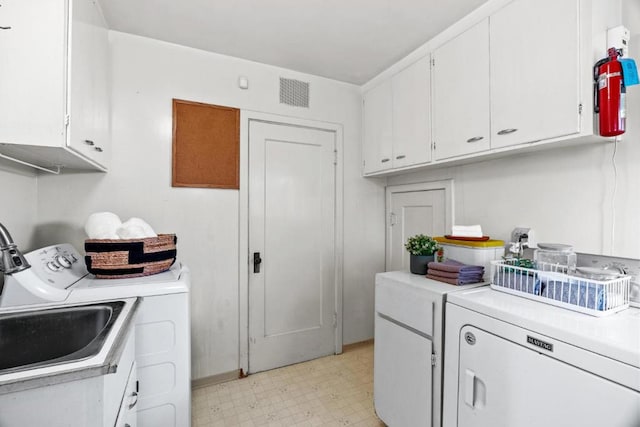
(549,256)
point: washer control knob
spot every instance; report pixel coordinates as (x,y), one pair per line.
(63,261)
(53,266)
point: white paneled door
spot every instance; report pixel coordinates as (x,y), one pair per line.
(410,213)
(292,276)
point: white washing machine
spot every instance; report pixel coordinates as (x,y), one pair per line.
(514,362)
(408,348)
(163,344)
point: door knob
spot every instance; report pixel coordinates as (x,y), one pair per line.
(256,262)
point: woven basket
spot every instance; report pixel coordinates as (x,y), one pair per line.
(119,259)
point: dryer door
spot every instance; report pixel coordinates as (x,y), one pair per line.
(501,383)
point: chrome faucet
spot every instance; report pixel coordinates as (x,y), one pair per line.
(11,260)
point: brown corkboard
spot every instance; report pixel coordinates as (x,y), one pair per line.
(206,145)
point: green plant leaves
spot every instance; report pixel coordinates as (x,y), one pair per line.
(421,244)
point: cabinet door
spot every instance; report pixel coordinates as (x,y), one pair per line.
(411,91)
(88,62)
(127,414)
(501,383)
(461,94)
(32,83)
(534,71)
(377,128)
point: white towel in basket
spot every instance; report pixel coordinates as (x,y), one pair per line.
(102,225)
(135,228)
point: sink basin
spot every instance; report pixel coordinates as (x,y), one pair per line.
(45,337)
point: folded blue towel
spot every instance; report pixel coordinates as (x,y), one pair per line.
(581,293)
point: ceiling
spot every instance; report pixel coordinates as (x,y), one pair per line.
(346,40)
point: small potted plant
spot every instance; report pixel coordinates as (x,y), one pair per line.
(422,249)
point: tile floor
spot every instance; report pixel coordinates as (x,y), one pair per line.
(330,391)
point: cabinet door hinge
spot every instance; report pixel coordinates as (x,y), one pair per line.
(433,62)
(335,320)
(66,120)
(433,145)
(433,360)
(580,108)
(392,219)
(335,157)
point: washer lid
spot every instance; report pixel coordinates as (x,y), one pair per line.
(175,280)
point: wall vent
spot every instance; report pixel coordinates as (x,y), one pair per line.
(294,92)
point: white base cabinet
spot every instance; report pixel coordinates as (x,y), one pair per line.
(127,414)
(163,351)
(54,101)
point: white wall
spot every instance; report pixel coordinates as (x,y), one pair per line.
(19,201)
(146,75)
(566,195)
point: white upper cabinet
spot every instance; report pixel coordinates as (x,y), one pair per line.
(377,149)
(461,94)
(411,91)
(535,57)
(512,77)
(33,82)
(88,107)
(54,105)
(396,120)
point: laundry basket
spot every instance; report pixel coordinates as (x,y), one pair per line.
(551,284)
(119,259)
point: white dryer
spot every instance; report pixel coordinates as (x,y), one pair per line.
(513,362)
(163,344)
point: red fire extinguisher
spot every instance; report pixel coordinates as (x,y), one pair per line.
(610,94)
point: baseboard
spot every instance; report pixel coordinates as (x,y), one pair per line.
(355,345)
(216,379)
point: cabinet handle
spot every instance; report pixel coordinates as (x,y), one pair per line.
(507,131)
(98,149)
(385,160)
(475,139)
(89,142)
(401,156)
(5,28)
(135,402)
